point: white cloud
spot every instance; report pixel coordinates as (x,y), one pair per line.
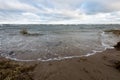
(60,11)
(83,19)
(16,5)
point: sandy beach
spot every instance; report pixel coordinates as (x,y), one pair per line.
(101,66)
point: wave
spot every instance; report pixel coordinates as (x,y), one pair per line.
(106,41)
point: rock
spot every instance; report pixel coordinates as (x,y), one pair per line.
(117,65)
(24,31)
(117,46)
(11,53)
(116,32)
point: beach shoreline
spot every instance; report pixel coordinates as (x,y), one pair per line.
(100,66)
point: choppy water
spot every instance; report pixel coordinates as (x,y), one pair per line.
(54,41)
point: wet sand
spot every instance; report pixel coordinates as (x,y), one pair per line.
(101,66)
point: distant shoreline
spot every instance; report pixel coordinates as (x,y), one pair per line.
(55,24)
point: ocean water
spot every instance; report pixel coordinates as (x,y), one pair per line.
(54,41)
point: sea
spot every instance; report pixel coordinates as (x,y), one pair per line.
(46,42)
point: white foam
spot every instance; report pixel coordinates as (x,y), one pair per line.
(54,59)
(104,37)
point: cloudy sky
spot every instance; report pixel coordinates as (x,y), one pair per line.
(60,11)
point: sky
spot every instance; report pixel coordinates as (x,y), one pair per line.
(60,11)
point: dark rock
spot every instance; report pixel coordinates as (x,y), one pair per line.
(117,46)
(24,31)
(116,32)
(11,53)
(117,65)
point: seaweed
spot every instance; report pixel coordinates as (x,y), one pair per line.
(10,70)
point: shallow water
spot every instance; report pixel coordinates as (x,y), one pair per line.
(55,41)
